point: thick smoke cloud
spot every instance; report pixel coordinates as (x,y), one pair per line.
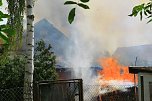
(107,22)
(104,27)
(95,32)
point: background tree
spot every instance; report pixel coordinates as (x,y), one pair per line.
(6,33)
(12,78)
(44,62)
(16,10)
(12,72)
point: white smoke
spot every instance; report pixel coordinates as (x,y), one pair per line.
(105,26)
(81,55)
(107,22)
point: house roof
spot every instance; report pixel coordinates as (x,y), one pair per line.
(128,55)
(137,69)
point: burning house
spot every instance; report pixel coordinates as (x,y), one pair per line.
(111,79)
(116,84)
(112,72)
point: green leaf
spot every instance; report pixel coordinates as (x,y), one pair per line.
(140,15)
(137,9)
(69,2)
(6,29)
(83,5)
(148,11)
(4,26)
(131,15)
(71,15)
(1,3)
(9,31)
(147,7)
(2,15)
(145,13)
(84,1)
(3,37)
(5,16)
(1,19)
(149,16)
(149,21)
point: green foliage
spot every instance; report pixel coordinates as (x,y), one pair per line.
(84,1)
(14,25)
(6,33)
(12,72)
(2,15)
(83,6)
(16,10)
(1,3)
(44,62)
(70,2)
(137,9)
(5,30)
(71,15)
(143,9)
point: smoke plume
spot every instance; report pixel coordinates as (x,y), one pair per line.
(95,32)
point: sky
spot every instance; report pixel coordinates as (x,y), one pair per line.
(106,23)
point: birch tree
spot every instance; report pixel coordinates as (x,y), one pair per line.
(29,68)
(28,78)
(16,10)
(28,83)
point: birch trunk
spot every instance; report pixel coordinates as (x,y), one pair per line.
(29,68)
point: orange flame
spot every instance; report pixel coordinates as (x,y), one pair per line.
(112,70)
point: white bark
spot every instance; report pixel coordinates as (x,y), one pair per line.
(29,68)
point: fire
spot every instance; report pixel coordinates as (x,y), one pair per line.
(113,71)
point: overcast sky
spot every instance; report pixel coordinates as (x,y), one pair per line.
(107,22)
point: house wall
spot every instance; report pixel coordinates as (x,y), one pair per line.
(65,73)
(147,78)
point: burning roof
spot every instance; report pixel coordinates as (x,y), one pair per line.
(113,72)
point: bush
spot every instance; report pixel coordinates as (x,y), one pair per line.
(12,72)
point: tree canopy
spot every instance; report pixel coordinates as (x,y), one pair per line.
(5,31)
(12,72)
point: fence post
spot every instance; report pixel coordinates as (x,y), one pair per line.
(81,90)
(36,91)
